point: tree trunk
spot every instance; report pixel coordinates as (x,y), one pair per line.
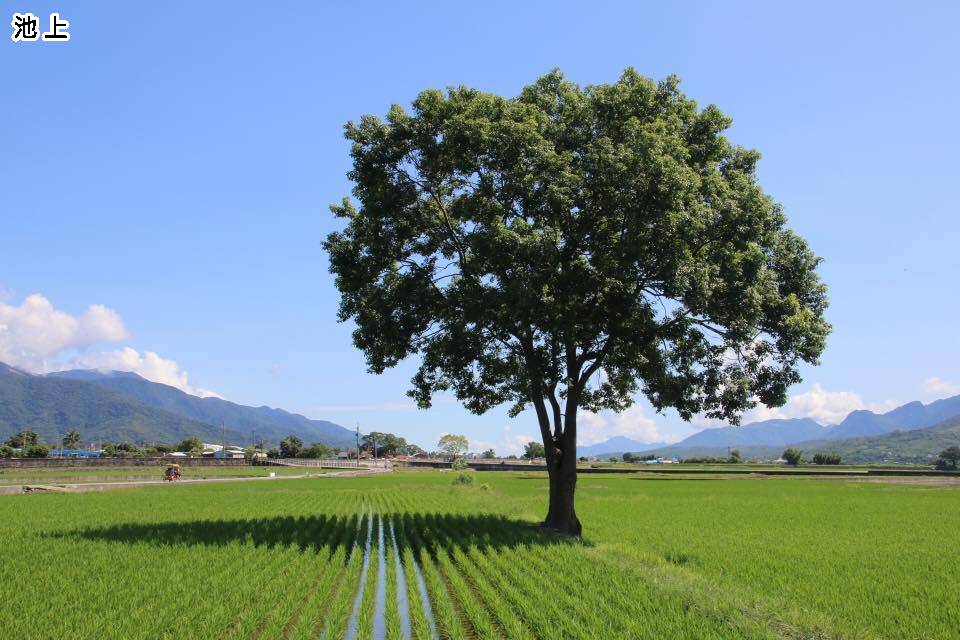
(562,516)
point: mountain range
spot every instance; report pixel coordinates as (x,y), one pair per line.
(778,433)
(123,406)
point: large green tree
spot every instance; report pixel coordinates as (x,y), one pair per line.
(72,439)
(568,248)
(387,444)
(453,445)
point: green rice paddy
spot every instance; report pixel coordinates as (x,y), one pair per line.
(408,555)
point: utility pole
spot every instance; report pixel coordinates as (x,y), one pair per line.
(358,443)
(223,441)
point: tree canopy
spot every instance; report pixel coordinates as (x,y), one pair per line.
(387,444)
(568,248)
(452,444)
(290,446)
(533,450)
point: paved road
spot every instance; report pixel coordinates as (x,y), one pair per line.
(100,486)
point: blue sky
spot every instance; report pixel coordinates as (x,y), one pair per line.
(174,163)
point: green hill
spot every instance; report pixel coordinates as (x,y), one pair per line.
(270,424)
(54,405)
(909,445)
(914,445)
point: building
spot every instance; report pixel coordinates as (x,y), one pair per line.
(74,453)
(230,454)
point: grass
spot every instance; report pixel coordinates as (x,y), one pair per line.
(662,557)
(15,475)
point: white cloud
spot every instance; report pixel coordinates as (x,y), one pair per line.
(39,338)
(35,331)
(940,387)
(632,423)
(148,365)
(825,407)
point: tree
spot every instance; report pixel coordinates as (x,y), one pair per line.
(72,439)
(290,446)
(36,451)
(827,458)
(189,445)
(316,450)
(273,452)
(453,445)
(735,457)
(489,454)
(949,459)
(793,456)
(387,444)
(630,457)
(413,450)
(17,440)
(533,450)
(568,248)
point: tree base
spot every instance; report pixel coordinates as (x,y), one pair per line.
(568,527)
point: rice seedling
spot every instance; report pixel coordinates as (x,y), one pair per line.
(408,556)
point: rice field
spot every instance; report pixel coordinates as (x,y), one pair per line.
(409,555)
(15,475)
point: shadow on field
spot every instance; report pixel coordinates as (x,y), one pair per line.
(323,532)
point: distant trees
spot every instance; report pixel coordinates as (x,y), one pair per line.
(17,440)
(453,445)
(793,456)
(414,450)
(534,450)
(290,446)
(489,454)
(316,450)
(826,458)
(949,459)
(388,445)
(192,444)
(273,452)
(36,451)
(6,451)
(72,439)
(385,444)
(122,450)
(734,458)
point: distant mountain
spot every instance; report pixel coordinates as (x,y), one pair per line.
(767,432)
(53,405)
(913,415)
(910,445)
(270,424)
(779,433)
(617,444)
(907,445)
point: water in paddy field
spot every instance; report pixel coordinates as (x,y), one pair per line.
(354,622)
(402,602)
(380,603)
(380,599)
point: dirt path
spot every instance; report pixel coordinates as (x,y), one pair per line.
(101,486)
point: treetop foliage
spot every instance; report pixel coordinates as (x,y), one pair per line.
(522,245)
